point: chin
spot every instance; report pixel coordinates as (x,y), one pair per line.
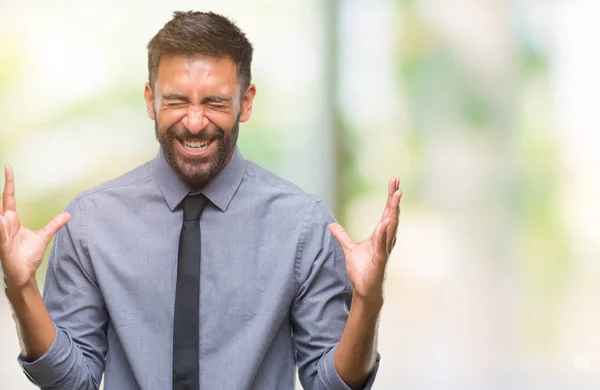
(194,174)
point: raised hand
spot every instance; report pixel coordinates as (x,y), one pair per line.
(366,260)
(21,249)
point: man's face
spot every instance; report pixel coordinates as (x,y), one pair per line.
(196,108)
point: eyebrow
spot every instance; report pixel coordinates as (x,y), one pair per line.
(216,99)
(176,96)
(209,99)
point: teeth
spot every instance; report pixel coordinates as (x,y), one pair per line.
(195,145)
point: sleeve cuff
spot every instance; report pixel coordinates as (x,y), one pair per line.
(53,365)
(332,379)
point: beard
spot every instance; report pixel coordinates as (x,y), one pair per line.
(197,172)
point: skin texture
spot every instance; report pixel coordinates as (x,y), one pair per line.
(366,263)
(21,252)
(199,99)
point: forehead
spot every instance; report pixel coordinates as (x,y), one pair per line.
(187,74)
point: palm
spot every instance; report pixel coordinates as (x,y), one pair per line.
(363,266)
(21,249)
(366,260)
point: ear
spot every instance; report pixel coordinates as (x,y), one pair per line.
(149,97)
(247,103)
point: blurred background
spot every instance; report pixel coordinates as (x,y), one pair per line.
(486,109)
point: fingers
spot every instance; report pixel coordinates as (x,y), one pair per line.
(2,233)
(394,215)
(1,195)
(391,189)
(8,197)
(381,242)
(340,234)
(393,186)
(392,210)
(54,225)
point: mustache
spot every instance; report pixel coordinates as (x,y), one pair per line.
(205,135)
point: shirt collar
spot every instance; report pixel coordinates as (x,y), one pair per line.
(219,190)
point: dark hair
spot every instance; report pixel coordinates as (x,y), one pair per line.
(201,34)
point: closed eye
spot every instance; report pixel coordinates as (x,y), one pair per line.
(217,102)
(175,104)
(217,106)
(175,100)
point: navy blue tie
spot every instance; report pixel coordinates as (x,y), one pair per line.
(186,356)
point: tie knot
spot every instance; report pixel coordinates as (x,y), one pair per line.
(193,206)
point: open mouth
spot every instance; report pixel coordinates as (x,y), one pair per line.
(195,149)
(195,146)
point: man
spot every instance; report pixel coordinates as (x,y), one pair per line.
(197,269)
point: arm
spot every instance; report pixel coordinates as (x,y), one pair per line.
(319,312)
(365,263)
(21,252)
(63,339)
(356,353)
(35,329)
(334,326)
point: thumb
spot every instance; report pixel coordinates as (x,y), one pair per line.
(341,235)
(54,225)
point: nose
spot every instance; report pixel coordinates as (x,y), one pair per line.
(195,120)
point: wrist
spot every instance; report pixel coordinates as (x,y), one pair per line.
(15,290)
(367,304)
